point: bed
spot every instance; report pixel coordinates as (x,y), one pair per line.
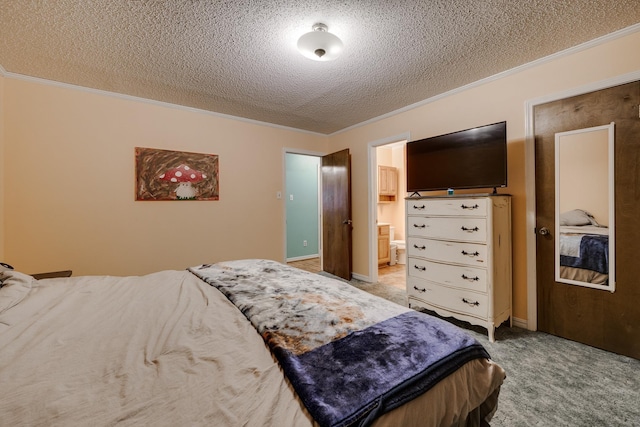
(237,343)
(584,248)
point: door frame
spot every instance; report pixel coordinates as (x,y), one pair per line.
(318,154)
(530,183)
(373,199)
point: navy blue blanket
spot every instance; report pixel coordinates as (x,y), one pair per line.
(594,254)
(349,355)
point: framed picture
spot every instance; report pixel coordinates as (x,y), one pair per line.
(176,175)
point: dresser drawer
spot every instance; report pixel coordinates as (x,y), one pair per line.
(457,300)
(452,275)
(466,229)
(472,254)
(453,206)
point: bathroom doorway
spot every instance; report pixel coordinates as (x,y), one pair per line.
(387,211)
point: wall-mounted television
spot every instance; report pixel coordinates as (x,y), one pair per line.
(471,158)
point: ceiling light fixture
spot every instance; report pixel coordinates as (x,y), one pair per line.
(320,44)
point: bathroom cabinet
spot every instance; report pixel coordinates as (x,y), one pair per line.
(387,184)
(384,244)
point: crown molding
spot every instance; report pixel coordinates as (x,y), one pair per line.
(116,95)
(563,53)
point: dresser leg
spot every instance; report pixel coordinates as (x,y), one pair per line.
(491,329)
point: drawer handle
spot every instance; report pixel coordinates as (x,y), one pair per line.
(419,208)
(419,268)
(474,303)
(419,226)
(470,229)
(465,277)
(476,253)
(418,289)
(422,248)
(470,207)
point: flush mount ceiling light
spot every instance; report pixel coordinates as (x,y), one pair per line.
(320,44)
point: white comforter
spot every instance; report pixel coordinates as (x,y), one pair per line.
(164,349)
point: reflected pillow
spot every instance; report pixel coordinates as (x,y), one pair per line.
(577,217)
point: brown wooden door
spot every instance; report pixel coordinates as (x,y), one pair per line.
(336,214)
(610,321)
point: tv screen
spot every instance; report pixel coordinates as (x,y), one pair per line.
(471,158)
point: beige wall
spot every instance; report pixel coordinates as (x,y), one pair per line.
(498,99)
(69,181)
(69,175)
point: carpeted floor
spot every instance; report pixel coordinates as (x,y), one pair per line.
(552,381)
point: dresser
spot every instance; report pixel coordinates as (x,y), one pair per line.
(459,257)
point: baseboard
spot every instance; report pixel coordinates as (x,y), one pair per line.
(520,323)
(302,258)
(361,277)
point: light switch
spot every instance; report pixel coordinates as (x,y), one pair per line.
(290,196)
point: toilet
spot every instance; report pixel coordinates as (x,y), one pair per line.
(398,248)
(400,251)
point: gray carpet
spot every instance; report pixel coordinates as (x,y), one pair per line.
(551,381)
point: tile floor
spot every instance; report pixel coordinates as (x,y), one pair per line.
(387,274)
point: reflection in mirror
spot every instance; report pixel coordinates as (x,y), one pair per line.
(585,216)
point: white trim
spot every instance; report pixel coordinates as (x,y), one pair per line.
(563,53)
(303,152)
(520,323)
(361,277)
(530,230)
(609,131)
(303,257)
(152,102)
(570,51)
(530,169)
(373,198)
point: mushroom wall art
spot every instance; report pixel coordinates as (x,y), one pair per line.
(175,175)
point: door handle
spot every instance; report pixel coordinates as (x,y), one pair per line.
(543,231)
(347,221)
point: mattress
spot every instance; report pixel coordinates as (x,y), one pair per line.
(170,349)
(584,254)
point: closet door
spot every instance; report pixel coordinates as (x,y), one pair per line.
(596,317)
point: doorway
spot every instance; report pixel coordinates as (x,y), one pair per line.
(387,186)
(303,208)
(325,211)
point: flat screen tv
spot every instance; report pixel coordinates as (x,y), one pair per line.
(471,158)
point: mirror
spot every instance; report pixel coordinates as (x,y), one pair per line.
(585,215)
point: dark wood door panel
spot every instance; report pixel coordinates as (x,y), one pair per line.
(336,214)
(599,318)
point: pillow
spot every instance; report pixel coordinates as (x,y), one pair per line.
(5,267)
(15,287)
(577,217)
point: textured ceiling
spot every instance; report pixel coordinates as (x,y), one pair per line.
(238,57)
